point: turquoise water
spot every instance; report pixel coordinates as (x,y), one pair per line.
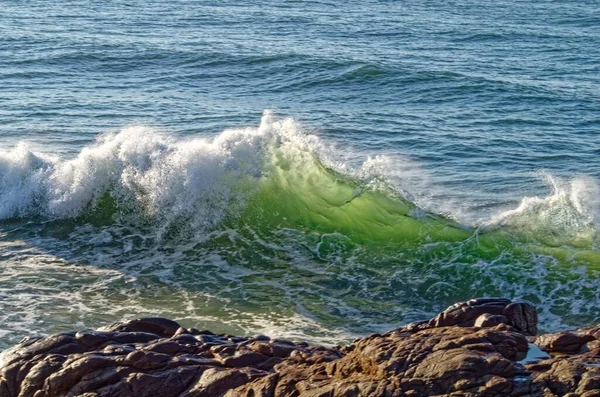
(314,170)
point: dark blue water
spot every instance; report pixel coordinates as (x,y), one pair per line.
(465,108)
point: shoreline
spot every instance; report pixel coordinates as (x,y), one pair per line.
(482,347)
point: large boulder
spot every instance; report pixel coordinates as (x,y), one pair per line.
(483,311)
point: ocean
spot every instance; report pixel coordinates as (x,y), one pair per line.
(314,170)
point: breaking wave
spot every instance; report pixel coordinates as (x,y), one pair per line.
(271,219)
(275,174)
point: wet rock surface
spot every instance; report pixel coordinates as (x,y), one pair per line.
(473,348)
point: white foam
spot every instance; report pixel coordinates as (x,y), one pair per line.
(196,178)
(571,212)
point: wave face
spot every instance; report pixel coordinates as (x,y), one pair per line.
(269,229)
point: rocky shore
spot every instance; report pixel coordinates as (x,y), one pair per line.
(483,347)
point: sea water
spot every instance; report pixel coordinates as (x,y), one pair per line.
(315,170)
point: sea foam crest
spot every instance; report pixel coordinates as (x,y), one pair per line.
(569,214)
(167,177)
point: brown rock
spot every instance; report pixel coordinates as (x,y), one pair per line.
(563,342)
(520,315)
(470,349)
(490,320)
